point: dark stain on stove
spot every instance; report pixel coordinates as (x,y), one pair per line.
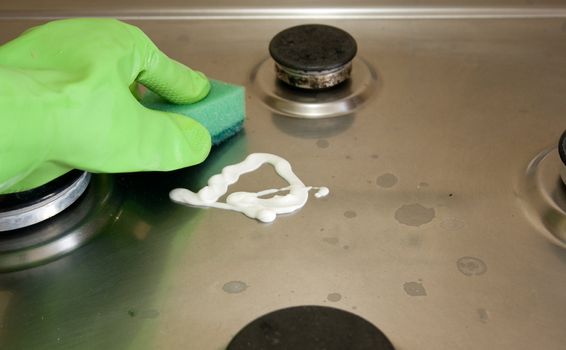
(387,180)
(414,289)
(350,214)
(414,214)
(349,157)
(483,315)
(375,156)
(322,143)
(471,266)
(451,195)
(346,247)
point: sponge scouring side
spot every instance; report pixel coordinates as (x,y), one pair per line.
(221,112)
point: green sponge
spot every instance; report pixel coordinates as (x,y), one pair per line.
(222,112)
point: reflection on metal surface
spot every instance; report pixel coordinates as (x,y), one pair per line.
(337,101)
(136,12)
(544,196)
(63,233)
(313,128)
(46,208)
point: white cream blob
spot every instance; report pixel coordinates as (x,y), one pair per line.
(250,203)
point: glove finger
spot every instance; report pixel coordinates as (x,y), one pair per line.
(166,77)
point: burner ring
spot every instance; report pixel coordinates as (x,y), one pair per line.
(340,100)
(46,206)
(51,239)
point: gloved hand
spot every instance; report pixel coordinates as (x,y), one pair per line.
(66,102)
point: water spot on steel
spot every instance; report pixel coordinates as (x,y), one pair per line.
(387,180)
(422,185)
(322,143)
(483,315)
(471,266)
(234,287)
(350,214)
(331,240)
(414,289)
(414,214)
(334,297)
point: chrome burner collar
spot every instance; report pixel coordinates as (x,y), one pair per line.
(51,206)
(340,100)
(95,210)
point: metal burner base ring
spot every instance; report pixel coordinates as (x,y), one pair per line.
(44,208)
(64,233)
(343,99)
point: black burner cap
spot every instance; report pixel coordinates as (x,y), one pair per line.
(562,147)
(18,200)
(313,47)
(310,328)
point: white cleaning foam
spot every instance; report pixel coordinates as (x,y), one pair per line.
(250,203)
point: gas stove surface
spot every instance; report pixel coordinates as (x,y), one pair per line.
(445,226)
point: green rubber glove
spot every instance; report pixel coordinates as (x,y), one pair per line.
(66,103)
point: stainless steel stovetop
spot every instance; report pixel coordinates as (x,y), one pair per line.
(446,222)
